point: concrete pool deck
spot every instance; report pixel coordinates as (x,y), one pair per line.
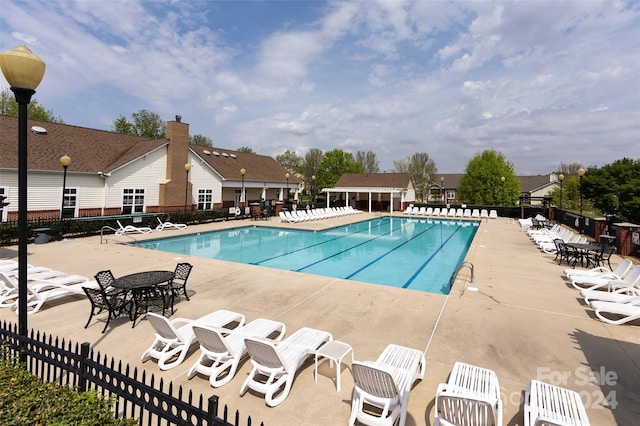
(524,322)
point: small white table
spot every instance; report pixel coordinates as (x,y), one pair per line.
(334,351)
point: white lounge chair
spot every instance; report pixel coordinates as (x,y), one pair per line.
(275,365)
(471,396)
(385,384)
(621,295)
(443,212)
(220,355)
(36,298)
(475,213)
(169,225)
(493,214)
(171,344)
(408,209)
(600,271)
(617,313)
(35,284)
(130,228)
(467,213)
(422,211)
(484,214)
(460,212)
(429,211)
(546,404)
(451,213)
(436,211)
(630,279)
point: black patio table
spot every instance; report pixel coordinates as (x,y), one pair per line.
(583,250)
(147,290)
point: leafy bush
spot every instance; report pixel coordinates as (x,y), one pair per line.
(27,400)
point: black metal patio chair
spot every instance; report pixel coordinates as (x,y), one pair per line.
(178,284)
(116,304)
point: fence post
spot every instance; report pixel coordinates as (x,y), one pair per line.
(82,379)
(212,409)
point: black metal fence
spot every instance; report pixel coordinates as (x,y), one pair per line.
(137,395)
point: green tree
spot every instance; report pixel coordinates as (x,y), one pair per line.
(333,165)
(570,192)
(310,164)
(200,140)
(615,188)
(144,123)
(422,169)
(290,161)
(246,150)
(482,182)
(368,161)
(35,111)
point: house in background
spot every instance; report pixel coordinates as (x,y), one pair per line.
(533,188)
(372,191)
(112,173)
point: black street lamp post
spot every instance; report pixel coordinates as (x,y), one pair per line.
(442,193)
(187,167)
(561,178)
(24,71)
(581,173)
(65,160)
(313,189)
(242,195)
(287,177)
(502,179)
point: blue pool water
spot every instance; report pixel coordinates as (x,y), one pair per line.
(419,254)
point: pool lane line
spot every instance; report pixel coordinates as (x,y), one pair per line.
(364,242)
(365,266)
(301,269)
(379,225)
(426,262)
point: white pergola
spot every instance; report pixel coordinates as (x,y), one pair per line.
(393,192)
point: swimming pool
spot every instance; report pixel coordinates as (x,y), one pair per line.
(419,254)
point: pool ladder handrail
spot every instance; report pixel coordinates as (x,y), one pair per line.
(455,273)
(109,228)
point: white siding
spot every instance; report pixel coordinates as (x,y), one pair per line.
(144,173)
(202,177)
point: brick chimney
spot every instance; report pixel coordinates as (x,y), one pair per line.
(172,189)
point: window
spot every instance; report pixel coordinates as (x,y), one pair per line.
(69,202)
(205,199)
(451,194)
(133,201)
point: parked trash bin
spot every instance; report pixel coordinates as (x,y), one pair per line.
(608,240)
(41,235)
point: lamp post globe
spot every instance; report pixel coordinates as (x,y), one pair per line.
(23,71)
(502,179)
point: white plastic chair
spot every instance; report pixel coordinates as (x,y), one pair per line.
(470,397)
(171,344)
(220,355)
(385,384)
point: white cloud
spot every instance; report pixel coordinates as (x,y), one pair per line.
(394,77)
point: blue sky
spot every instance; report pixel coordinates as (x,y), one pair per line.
(542,82)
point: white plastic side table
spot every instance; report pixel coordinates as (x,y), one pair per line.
(334,351)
